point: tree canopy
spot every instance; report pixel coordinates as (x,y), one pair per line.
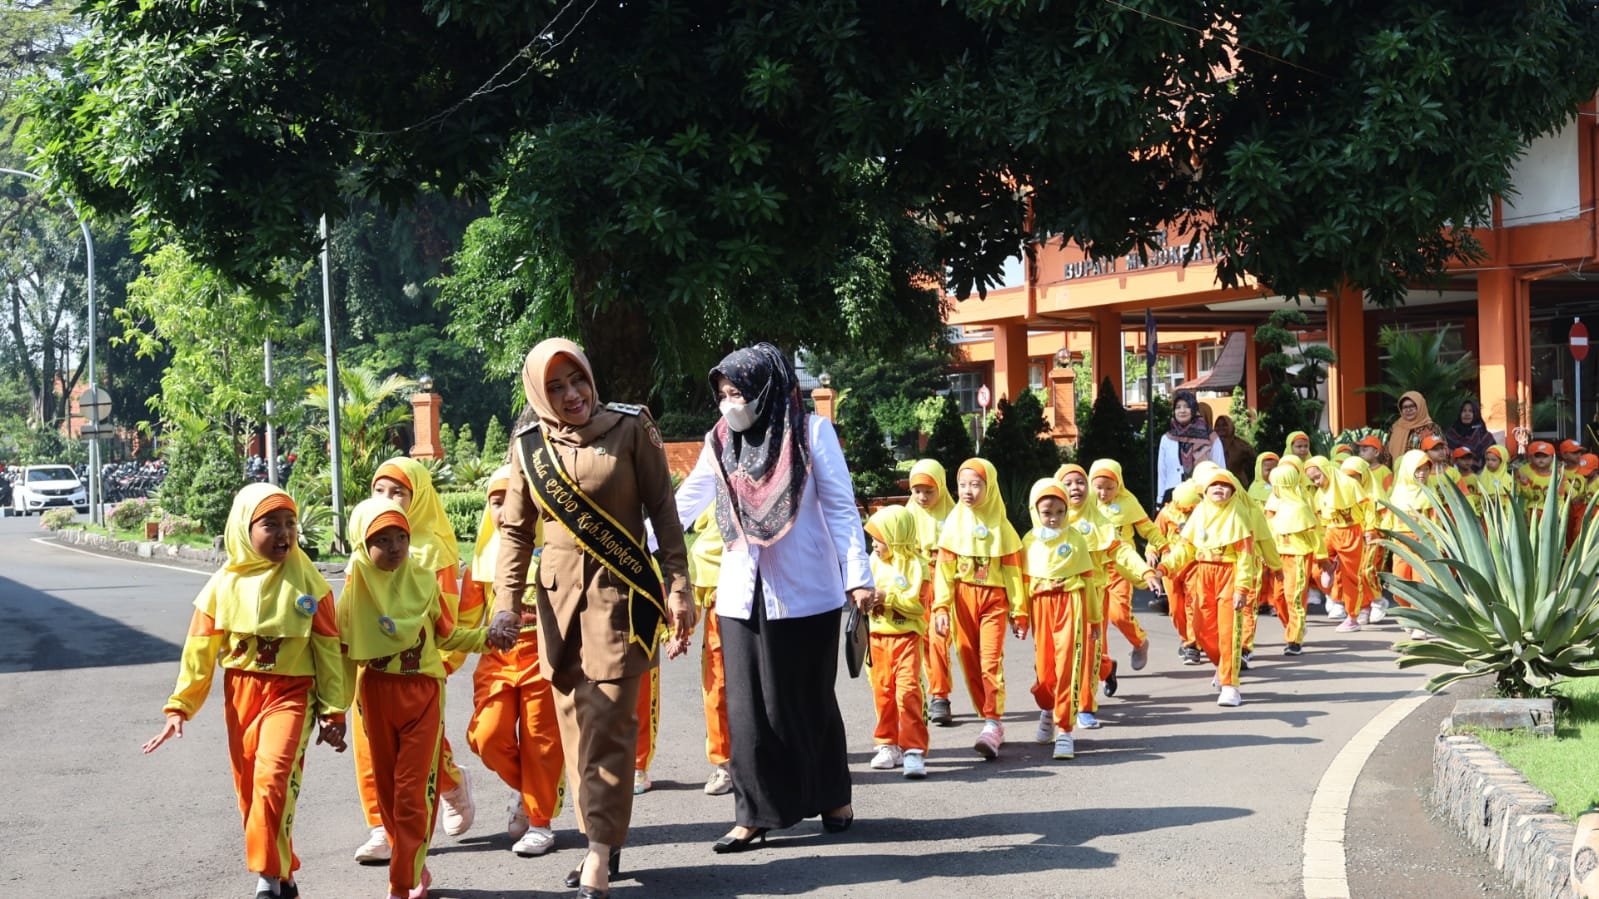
(667,178)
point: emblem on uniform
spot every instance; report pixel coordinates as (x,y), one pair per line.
(981,531)
(1085,527)
(1065,549)
(1115,508)
(386,625)
(901,582)
(306,604)
(654,434)
(599,451)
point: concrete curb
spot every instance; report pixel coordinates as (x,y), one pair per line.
(210,558)
(1500,813)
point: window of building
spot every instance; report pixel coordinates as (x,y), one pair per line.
(963,387)
(1208,354)
(1035,375)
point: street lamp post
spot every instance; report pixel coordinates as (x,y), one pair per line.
(95,513)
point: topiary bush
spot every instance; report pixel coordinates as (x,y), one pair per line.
(129,515)
(56,519)
(465,511)
(870,461)
(495,444)
(949,441)
(1020,452)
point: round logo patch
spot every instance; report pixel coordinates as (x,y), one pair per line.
(306,604)
(386,624)
(1065,549)
(901,582)
(981,531)
(654,434)
(1115,508)
(1085,527)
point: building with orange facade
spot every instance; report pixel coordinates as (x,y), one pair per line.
(1512,310)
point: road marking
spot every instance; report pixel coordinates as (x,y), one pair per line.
(1325,873)
(118,557)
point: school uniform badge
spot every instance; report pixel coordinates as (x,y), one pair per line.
(386,625)
(981,531)
(1065,549)
(901,582)
(306,604)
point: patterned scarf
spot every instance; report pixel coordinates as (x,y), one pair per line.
(763,468)
(1193,439)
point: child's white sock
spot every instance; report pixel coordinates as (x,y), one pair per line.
(271,884)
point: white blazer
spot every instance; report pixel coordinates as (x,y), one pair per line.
(1170,467)
(808,570)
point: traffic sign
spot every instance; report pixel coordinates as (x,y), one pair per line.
(95,404)
(983,396)
(1579,340)
(90,431)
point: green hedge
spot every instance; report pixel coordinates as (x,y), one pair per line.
(464,510)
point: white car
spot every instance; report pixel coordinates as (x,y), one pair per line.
(42,487)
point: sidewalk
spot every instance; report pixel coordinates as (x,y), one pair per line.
(1395,846)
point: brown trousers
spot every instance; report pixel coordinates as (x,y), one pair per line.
(599,734)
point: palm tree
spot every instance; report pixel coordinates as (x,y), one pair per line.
(1415,362)
(371,410)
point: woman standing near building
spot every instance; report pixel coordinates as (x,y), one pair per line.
(793,550)
(1414,423)
(1470,432)
(1188,442)
(587,474)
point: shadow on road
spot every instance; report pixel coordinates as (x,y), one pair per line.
(47,633)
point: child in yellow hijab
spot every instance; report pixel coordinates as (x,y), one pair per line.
(977,581)
(1057,563)
(929,505)
(1495,480)
(1185,497)
(1348,522)
(513,727)
(409,484)
(1216,551)
(898,618)
(1260,487)
(704,570)
(396,623)
(1373,556)
(1298,445)
(1296,531)
(267,619)
(1106,551)
(1123,511)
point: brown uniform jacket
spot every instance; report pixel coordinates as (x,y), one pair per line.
(582,607)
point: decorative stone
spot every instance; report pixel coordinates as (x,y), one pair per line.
(1536,715)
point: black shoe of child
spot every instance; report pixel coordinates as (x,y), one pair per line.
(938,712)
(1190,655)
(1110,681)
(1293,649)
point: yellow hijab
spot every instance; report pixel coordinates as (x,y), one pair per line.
(1357,470)
(1067,555)
(1185,496)
(928,521)
(1123,509)
(1290,514)
(1497,483)
(1259,489)
(980,531)
(250,594)
(894,526)
(1288,446)
(1340,492)
(1219,525)
(486,552)
(1410,494)
(1086,517)
(382,612)
(432,537)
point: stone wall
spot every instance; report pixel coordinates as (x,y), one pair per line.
(1500,813)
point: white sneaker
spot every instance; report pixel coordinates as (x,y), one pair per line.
(915,765)
(1364,618)
(1335,609)
(1064,747)
(888,757)
(376,848)
(1046,728)
(720,783)
(457,809)
(1230,697)
(1088,720)
(1379,611)
(641,782)
(989,741)
(518,823)
(537,841)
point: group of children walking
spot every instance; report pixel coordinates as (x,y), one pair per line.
(952,576)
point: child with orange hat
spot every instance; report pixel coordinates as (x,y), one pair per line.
(1348,524)
(1057,562)
(930,504)
(1127,515)
(1465,468)
(897,620)
(266,618)
(1532,478)
(1296,531)
(977,586)
(1370,448)
(1570,452)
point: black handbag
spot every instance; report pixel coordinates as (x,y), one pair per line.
(855,648)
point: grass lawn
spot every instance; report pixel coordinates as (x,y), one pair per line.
(195,541)
(1566,766)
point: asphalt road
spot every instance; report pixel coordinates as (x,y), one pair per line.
(1174,797)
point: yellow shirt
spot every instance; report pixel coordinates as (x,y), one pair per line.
(1004,572)
(902,612)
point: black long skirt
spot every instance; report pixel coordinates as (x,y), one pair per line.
(789,757)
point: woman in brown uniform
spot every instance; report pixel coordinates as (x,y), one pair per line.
(590,472)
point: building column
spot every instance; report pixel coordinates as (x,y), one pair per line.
(1504,365)
(1251,369)
(1346,336)
(1010,361)
(427,415)
(1109,349)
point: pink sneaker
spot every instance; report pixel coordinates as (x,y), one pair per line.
(1349,624)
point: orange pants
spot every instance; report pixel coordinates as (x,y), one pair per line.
(649,718)
(1218,626)
(1287,590)
(1180,606)
(269,724)
(936,651)
(1403,571)
(513,728)
(713,685)
(979,631)
(1119,610)
(404,719)
(366,782)
(1063,658)
(1250,619)
(1347,545)
(897,690)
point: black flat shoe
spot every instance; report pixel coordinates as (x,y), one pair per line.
(731,843)
(592,893)
(1110,682)
(574,878)
(837,823)
(288,889)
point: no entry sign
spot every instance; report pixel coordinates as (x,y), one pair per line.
(1579,340)
(983,396)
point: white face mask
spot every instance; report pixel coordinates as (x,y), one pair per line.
(1048,533)
(739,415)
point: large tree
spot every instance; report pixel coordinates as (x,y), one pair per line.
(685,175)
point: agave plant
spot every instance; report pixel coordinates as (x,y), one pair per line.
(1499,593)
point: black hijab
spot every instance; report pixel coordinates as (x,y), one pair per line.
(763,468)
